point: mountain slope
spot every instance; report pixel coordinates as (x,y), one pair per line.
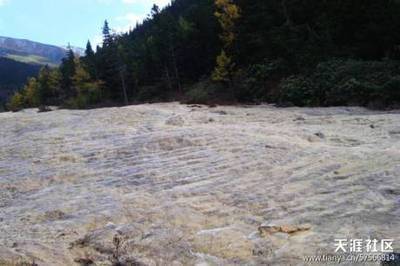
(32,52)
(21,59)
(13,75)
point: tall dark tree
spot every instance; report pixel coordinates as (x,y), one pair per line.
(89,50)
(90,61)
(107,35)
(67,71)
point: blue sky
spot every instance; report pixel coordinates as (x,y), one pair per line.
(60,22)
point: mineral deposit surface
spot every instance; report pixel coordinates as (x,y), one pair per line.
(171,184)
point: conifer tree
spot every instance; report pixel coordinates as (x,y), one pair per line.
(155,10)
(89,50)
(90,60)
(47,86)
(109,67)
(67,70)
(107,36)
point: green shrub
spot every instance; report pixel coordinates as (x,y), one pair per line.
(203,92)
(351,92)
(391,91)
(197,96)
(259,82)
(82,101)
(89,95)
(300,91)
(345,82)
(154,93)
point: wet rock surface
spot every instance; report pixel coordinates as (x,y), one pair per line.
(169,184)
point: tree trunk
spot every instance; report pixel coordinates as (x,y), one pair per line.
(121,73)
(174,63)
(177,77)
(167,75)
(286,13)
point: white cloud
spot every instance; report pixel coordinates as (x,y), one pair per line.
(131,18)
(96,41)
(104,1)
(125,23)
(128,22)
(160,3)
(3,2)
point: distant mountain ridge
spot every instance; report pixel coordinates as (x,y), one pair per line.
(77,50)
(27,51)
(21,59)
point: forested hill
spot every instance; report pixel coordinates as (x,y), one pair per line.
(21,59)
(13,76)
(315,53)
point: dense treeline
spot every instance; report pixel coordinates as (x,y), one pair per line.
(318,53)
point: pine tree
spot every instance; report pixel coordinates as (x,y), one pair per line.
(122,72)
(67,70)
(89,50)
(155,10)
(89,60)
(107,36)
(109,64)
(47,86)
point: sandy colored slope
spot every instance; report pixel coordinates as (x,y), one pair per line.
(183,185)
